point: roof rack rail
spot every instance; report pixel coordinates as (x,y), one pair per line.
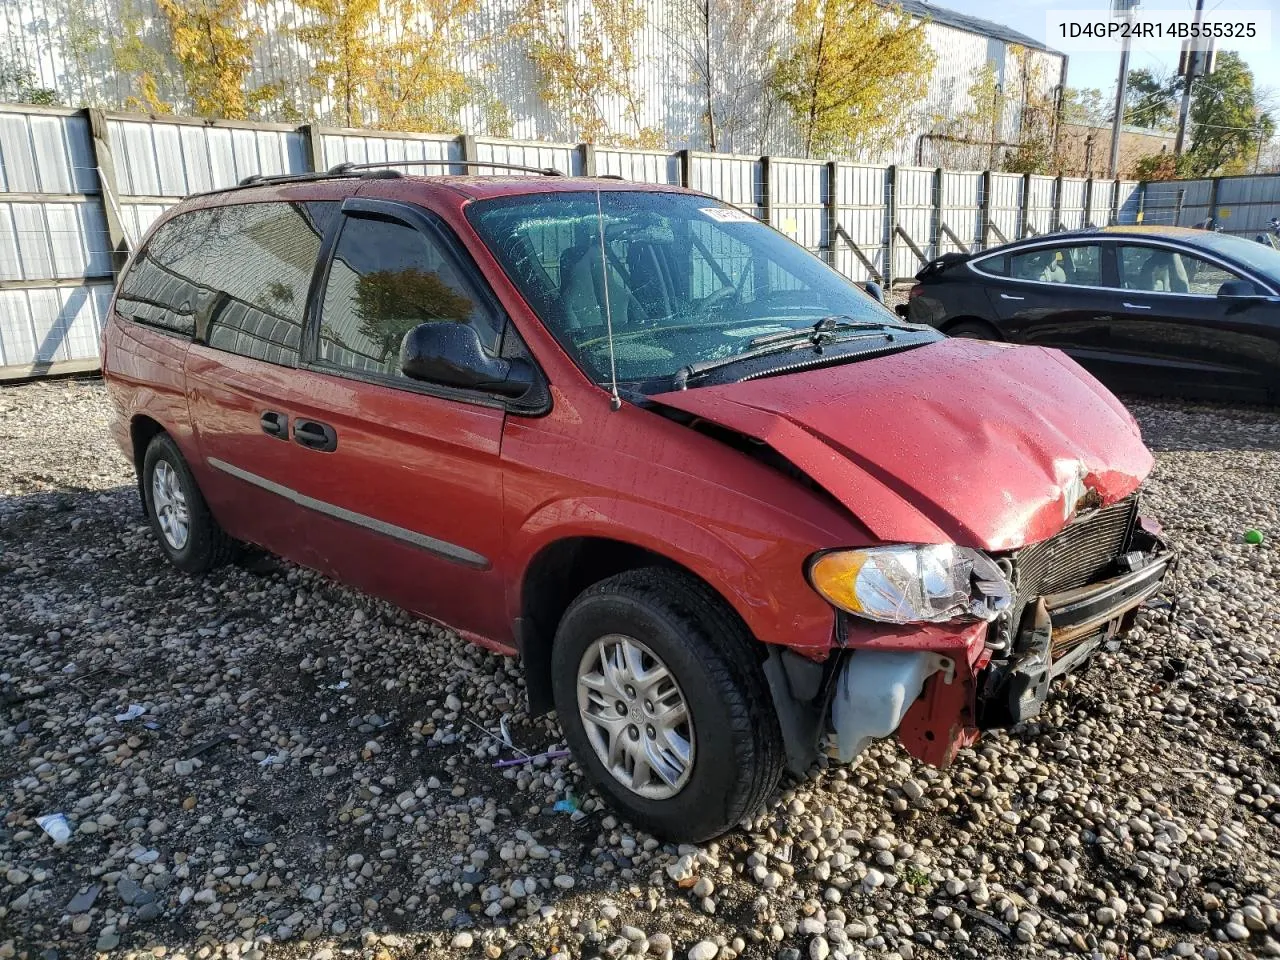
(259,179)
(345,169)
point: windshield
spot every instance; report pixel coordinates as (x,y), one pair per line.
(689,280)
(1261,258)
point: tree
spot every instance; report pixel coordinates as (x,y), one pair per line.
(348,54)
(1228,123)
(579,74)
(853,70)
(213,43)
(732,46)
(18,84)
(1152,99)
(1086,107)
(420,87)
(137,57)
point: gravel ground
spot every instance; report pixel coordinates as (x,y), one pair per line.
(310,775)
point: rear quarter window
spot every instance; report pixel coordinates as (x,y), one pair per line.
(163,284)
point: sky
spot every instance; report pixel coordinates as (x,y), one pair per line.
(1100,69)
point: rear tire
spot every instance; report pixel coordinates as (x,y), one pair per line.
(973,330)
(708,771)
(180,518)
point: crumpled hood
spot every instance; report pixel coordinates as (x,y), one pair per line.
(963,441)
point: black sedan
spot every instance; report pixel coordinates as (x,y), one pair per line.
(1164,310)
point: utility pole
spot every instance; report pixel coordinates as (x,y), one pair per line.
(1125,9)
(1185,108)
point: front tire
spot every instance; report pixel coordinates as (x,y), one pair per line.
(663,702)
(180,519)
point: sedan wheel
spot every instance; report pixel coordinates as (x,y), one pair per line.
(636,717)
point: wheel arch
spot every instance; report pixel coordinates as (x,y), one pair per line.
(142,430)
(972,320)
(556,574)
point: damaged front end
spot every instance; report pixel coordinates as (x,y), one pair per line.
(938,686)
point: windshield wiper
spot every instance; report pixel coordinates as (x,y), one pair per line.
(823,331)
(817,336)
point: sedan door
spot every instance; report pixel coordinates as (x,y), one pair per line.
(400,479)
(1176,335)
(1052,295)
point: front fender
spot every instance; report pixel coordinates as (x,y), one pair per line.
(762,580)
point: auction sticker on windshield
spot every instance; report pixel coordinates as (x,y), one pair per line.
(727,215)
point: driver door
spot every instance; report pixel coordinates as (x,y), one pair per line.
(400,479)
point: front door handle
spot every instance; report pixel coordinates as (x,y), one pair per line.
(1137,306)
(275,425)
(315,435)
(1009,296)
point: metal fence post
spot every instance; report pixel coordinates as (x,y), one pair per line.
(313,146)
(1024,215)
(832,212)
(1214,184)
(100,140)
(1087,219)
(686,167)
(984,210)
(937,213)
(766,190)
(891,219)
(1056,223)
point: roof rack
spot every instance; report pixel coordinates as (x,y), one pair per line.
(258,179)
(344,169)
(381,171)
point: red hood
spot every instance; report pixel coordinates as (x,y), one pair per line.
(960,441)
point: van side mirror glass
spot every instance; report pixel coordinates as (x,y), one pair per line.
(451,354)
(875,291)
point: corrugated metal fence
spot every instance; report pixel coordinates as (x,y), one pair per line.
(1241,205)
(79,189)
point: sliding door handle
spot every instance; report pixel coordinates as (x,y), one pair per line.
(275,425)
(1136,306)
(1010,296)
(315,435)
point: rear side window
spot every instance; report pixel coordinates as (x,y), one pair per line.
(165,282)
(387,278)
(261,257)
(1079,265)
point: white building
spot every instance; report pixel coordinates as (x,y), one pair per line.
(81,49)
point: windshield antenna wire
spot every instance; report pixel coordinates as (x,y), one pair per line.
(615,401)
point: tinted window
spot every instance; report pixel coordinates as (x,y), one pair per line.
(1160,270)
(386,279)
(995,265)
(165,282)
(1080,264)
(261,257)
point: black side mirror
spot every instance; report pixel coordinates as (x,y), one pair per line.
(1237,288)
(874,291)
(450,353)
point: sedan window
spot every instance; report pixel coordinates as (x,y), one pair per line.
(1161,270)
(1079,265)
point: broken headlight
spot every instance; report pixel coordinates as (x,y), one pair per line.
(913,584)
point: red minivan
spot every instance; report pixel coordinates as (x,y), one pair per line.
(729,510)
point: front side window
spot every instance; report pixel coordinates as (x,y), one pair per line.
(387,278)
(261,257)
(1077,265)
(166,280)
(682,278)
(1161,270)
